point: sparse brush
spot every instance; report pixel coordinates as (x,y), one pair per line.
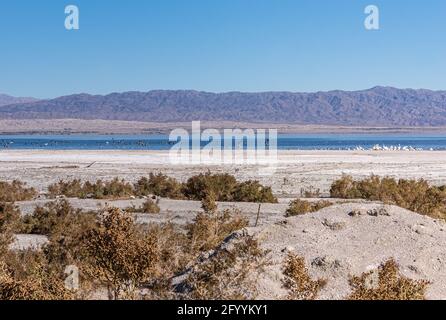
(149,207)
(208,203)
(209,230)
(15,191)
(159,185)
(221,185)
(122,255)
(310,192)
(388,285)
(27,276)
(298,281)
(225,187)
(414,195)
(300,207)
(57,217)
(9,224)
(114,189)
(229,274)
(253,191)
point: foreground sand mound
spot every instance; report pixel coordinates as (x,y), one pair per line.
(337,244)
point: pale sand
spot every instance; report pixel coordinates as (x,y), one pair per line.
(295,169)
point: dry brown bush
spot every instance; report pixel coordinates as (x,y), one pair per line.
(390,285)
(414,195)
(310,192)
(26,275)
(300,207)
(210,229)
(123,256)
(57,217)
(149,206)
(15,191)
(208,203)
(228,273)
(9,224)
(114,189)
(226,188)
(253,191)
(159,185)
(221,185)
(297,280)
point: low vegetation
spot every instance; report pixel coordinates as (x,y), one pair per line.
(300,207)
(15,191)
(388,285)
(159,185)
(414,195)
(298,281)
(224,186)
(211,227)
(114,189)
(229,274)
(149,207)
(112,253)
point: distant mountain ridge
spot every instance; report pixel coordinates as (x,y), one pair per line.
(5,100)
(379,106)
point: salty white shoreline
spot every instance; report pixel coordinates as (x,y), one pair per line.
(294,170)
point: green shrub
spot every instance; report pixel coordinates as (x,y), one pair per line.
(299,207)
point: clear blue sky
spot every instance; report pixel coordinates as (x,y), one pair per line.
(219,45)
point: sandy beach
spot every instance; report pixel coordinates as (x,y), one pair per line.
(295,169)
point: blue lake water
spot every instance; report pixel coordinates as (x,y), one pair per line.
(161,142)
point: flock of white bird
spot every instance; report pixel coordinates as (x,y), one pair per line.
(391,148)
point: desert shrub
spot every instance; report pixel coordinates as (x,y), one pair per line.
(122,255)
(208,203)
(228,273)
(57,217)
(299,207)
(149,206)
(390,285)
(221,185)
(210,229)
(9,224)
(27,276)
(253,191)
(15,191)
(298,281)
(310,192)
(414,195)
(113,189)
(226,188)
(160,185)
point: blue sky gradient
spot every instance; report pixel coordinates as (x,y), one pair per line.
(219,46)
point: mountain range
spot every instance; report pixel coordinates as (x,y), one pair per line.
(5,100)
(379,106)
